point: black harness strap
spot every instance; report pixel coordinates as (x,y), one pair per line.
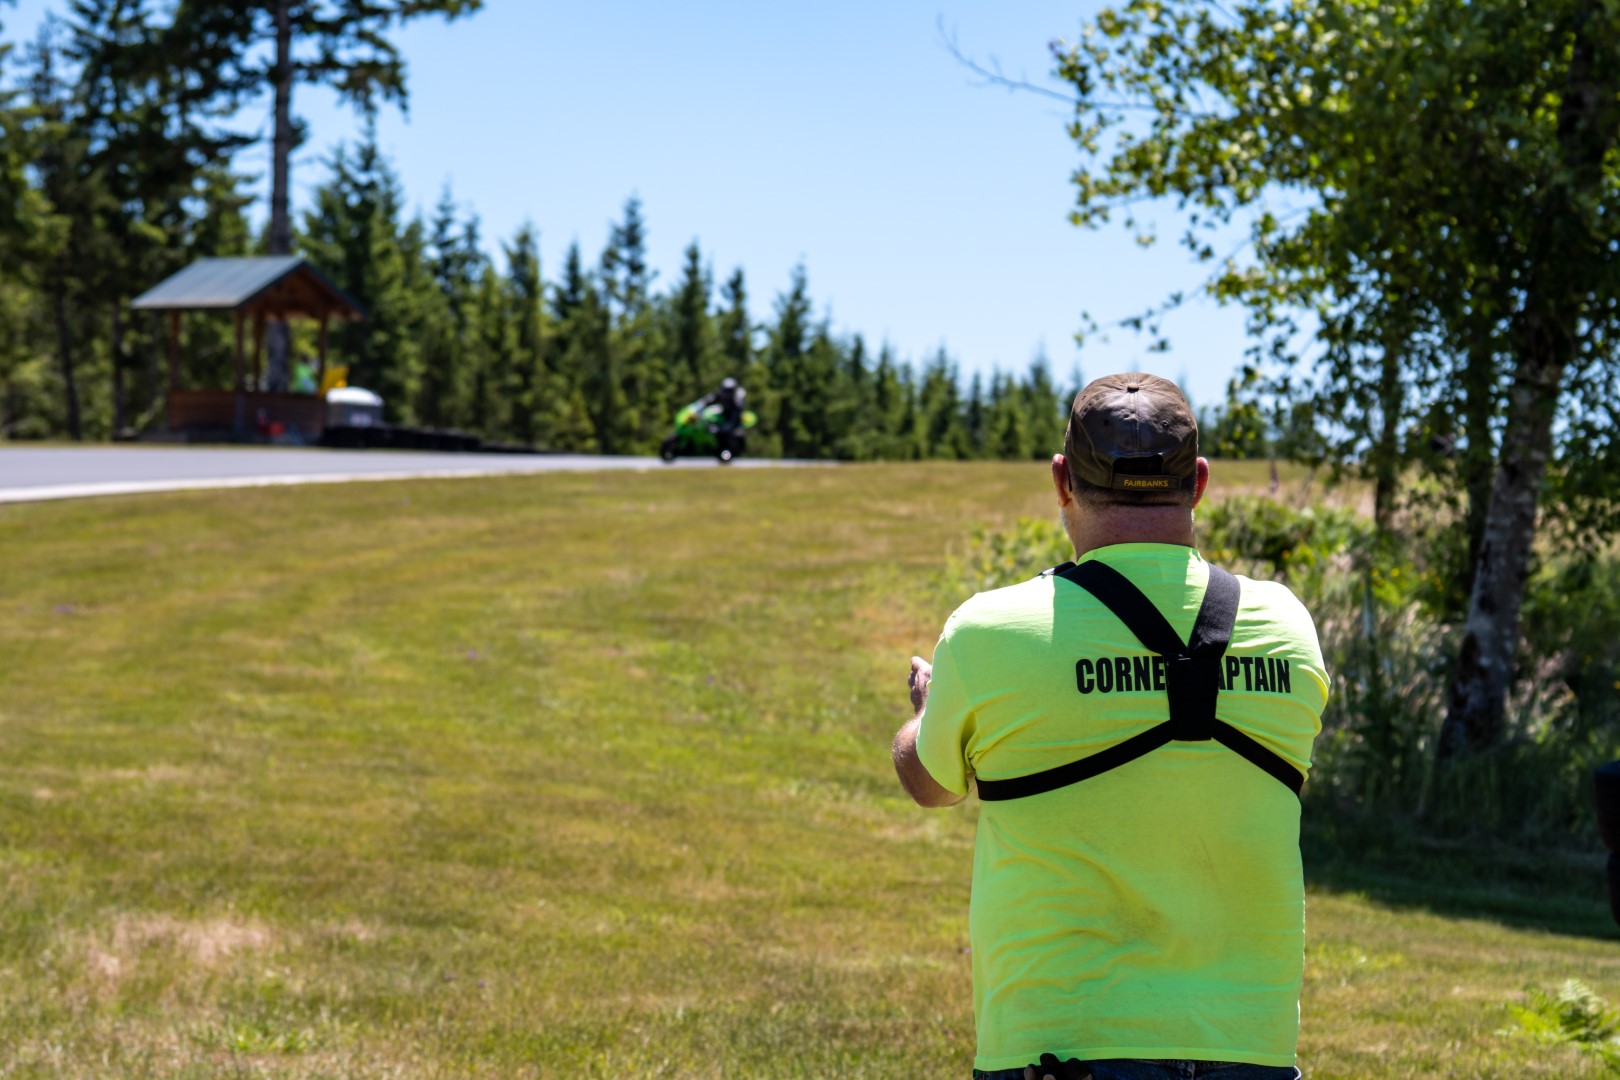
(1258,756)
(1192,683)
(1020,787)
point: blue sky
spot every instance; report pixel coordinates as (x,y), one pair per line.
(927,209)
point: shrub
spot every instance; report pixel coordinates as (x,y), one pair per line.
(998,557)
(1575,1016)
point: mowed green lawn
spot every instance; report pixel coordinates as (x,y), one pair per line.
(573,775)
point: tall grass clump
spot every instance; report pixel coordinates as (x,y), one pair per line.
(1388,614)
(1574,1016)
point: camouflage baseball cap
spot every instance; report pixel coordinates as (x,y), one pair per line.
(1132,433)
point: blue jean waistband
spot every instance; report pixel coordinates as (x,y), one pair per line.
(1145,1069)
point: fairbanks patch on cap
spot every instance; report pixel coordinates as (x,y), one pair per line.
(1132,433)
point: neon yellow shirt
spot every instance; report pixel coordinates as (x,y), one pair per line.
(1156,910)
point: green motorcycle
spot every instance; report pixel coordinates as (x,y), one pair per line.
(705,433)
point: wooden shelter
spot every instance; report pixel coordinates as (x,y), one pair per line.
(259,290)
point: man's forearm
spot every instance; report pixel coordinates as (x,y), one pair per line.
(914,777)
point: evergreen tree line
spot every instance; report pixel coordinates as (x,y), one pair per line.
(597,358)
(118,167)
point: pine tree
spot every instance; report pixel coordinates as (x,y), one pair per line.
(578,322)
(889,407)
(438,390)
(490,376)
(73,244)
(695,357)
(735,329)
(1008,420)
(1046,418)
(457,260)
(628,393)
(21,208)
(528,388)
(940,402)
(26,390)
(592,352)
(815,390)
(784,363)
(588,362)
(626,278)
(911,437)
(354,231)
(451,352)
(973,418)
(851,408)
(152,142)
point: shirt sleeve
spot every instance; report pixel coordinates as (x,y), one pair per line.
(947,722)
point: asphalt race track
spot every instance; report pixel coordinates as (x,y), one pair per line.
(32,474)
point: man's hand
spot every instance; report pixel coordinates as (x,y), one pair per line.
(921,672)
(914,776)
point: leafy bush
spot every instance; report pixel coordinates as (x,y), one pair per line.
(1254,529)
(998,557)
(1571,618)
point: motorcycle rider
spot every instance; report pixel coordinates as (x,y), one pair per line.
(730,397)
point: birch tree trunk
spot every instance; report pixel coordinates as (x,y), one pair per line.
(1479,456)
(1545,341)
(1477,711)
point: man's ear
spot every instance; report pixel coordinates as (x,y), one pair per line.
(1202,481)
(1060,480)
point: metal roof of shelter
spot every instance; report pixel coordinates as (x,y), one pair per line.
(274,285)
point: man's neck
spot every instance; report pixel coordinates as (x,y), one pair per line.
(1131,525)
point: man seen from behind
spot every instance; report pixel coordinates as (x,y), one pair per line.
(1138,725)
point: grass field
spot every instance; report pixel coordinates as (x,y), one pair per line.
(575,776)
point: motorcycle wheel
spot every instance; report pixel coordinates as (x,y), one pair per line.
(667,450)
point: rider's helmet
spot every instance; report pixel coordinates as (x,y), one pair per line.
(728,386)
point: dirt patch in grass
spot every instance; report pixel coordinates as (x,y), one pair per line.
(201,944)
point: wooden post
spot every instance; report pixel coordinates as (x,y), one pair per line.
(258,347)
(241,356)
(239,414)
(320,375)
(174,351)
(174,362)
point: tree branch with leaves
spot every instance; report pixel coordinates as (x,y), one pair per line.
(1458,252)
